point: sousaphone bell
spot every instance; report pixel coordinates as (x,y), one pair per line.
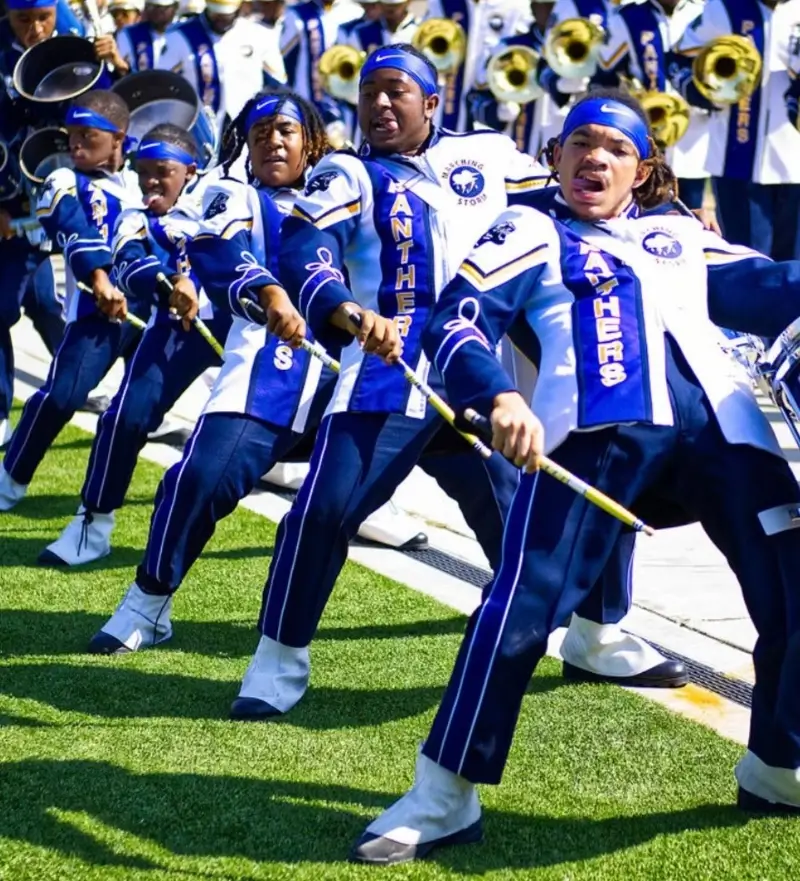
(155,97)
(54,72)
(42,153)
(10,175)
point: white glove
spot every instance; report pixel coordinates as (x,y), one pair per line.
(508,111)
(572,85)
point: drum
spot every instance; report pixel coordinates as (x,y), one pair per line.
(53,72)
(10,175)
(781,371)
(42,153)
(160,96)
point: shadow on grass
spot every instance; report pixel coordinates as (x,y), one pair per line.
(33,632)
(196,816)
(117,691)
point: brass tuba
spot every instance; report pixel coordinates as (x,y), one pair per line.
(339,68)
(667,113)
(511,74)
(572,47)
(443,43)
(727,69)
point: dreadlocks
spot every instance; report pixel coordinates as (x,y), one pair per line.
(661,185)
(314,138)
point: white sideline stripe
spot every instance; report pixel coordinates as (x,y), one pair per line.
(721,715)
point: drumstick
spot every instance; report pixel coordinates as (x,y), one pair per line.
(606,503)
(546,464)
(132,319)
(257,315)
(198,322)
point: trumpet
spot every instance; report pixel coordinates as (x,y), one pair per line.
(339,68)
(727,69)
(443,43)
(572,47)
(667,114)
(511,74)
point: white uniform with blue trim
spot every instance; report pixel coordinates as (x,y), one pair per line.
(258,369)
(225,70)
(754,140)
(402,226)
(144,244)
(654,283)
(308,30)
(79,212)
(639,36)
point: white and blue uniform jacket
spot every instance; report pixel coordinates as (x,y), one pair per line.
(234,254)
(79,213)
(146,245)
(591,303)
(389,232)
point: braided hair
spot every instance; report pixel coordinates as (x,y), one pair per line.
(315,141)
(661,186)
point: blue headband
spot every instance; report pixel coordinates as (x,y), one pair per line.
(162,150)
(91,119)
(607,111)
(30,4)
(272,105)
(398,59)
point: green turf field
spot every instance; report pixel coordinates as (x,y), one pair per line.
(126,768)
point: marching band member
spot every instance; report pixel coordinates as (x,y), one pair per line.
(140,45)
(522,122)
(393,23)
(263,401)
(170,356)
(390,207)
(226,58)
(754,144)
(271,13)
(371,11)
(640,35)
(309,28)
(125,12)
(78,209)
(652,405)
(485,23)
(28,281)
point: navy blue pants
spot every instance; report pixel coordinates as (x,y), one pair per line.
(87,352)
(167,361)
(765,217)
(222,462)
(359,460)
(26,283)
(691,191)
(556,544)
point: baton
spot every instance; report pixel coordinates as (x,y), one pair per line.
(595,496)
(132,319)
(546,464)
(198,322)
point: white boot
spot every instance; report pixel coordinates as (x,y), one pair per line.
(10,491)
(87,537)
(5,433)
(440,808)
(603,652)
(141,620)
(391,526)
(289,475)
(274,682)
(767,789)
